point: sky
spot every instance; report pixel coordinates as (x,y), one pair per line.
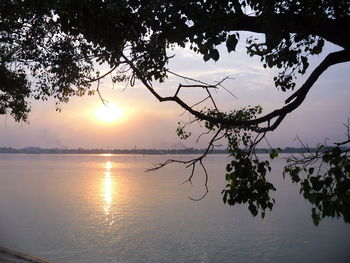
(146,123)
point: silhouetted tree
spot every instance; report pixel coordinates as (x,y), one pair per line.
(50,48)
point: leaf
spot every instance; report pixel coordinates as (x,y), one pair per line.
(315,217)
(206,57)
(231,43)
(214,54)
(311,170)
(224,198)
(253,210)
(274,153)
(305,64)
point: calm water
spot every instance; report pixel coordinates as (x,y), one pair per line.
(84,208)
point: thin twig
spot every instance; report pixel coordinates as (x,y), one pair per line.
(99,93)
(205,184)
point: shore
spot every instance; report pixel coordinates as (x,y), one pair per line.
(13,256)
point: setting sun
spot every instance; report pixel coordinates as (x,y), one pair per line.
(108,112)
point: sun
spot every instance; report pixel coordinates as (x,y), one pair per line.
(108,113)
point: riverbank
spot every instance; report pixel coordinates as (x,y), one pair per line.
(13,256)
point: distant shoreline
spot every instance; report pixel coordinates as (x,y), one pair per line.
(38,150)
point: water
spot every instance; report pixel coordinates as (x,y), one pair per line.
(100,208)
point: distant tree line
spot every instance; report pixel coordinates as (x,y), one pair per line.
(38,150)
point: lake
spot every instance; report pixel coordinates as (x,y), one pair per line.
(105,208)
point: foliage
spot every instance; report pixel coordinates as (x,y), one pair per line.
(324,178)
(54,48)
(245,174)
(15,90)
(246,177)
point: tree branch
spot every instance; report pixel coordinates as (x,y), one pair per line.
(299,96)
(192,163)
(292,102)
(333,30)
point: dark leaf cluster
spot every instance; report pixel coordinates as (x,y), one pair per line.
(247,184)
(324,179)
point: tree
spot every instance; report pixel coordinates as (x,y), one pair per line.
(51,48)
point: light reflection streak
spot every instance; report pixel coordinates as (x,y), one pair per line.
(108,192)
(108,165)
(108,188)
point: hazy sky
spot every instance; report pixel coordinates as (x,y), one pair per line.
(146,123)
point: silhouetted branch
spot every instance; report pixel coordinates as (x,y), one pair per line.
(347,126)
(99,93)
(192,163)
(205,184)
(204,133)
(188,78)
(342,143)
(226,121)
(102,76)
(292,102)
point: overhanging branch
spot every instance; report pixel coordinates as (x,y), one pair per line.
(192,163)
(292,102)
(332,30)
(296,99)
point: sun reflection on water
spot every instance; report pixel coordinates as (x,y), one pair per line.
(108,188)
(108,191)
(108,165)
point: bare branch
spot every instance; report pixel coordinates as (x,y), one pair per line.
(99,93)
(188,78)
(342,143)
(211,98)
(204,133)
(191,175)
(102,76)
(200,86)
(201,101)
(205,184)
(192,163)
(257,140)
(233,95)
(203,84)
(347,126)
(188,162)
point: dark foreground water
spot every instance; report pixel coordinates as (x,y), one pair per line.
(84,208)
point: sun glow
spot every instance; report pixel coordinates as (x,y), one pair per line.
(108,112)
